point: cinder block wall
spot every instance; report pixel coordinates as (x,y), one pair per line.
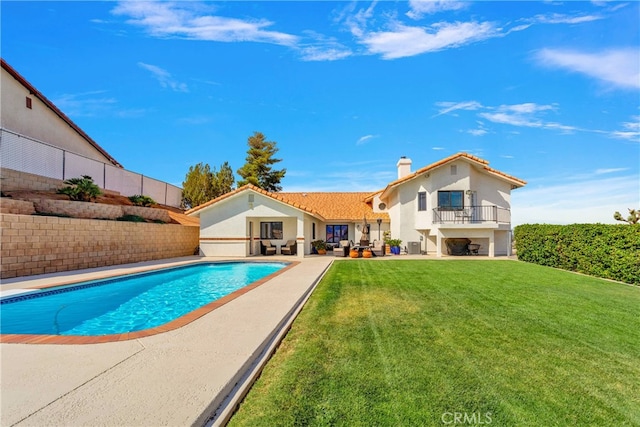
(12,180)
(39,244)
(21,207)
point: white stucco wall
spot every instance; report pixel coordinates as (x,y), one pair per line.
(224,230)
(409,224)
(39,122)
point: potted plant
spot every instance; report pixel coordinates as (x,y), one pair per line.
(395,245)
(320,246)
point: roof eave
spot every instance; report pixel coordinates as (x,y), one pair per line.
(56,110)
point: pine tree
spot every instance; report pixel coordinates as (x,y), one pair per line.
(257,170)
(203,184)
(223,180)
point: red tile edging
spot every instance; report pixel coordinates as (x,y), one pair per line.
(174,324)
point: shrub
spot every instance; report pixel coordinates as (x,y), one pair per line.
(81,189)
(141,200)
(131,218)
(602,250)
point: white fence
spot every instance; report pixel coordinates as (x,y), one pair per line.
(25,154)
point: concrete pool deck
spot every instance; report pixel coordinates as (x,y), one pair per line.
(180,377)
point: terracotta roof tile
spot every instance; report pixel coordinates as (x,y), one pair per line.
(326,206)
(351,206)
(337,206)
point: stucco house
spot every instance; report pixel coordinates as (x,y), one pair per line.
(26,112)
(457,197)
(38,140)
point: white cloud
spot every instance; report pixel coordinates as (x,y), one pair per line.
(164,78)
(526,108)
(526,115)
(318,53)
(477,132)
(610,170)
(365,139)
(437,148)
(557,18)
(617,67)
(403,41)
(631,130)
(86,104)
(448,107)
(419,8)
(323,48)
(581,201)
(194,21)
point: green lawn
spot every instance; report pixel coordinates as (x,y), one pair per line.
(503,343)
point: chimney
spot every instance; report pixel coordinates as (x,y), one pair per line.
(404,167)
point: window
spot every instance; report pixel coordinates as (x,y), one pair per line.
(450,200)
(28,101)
(454,169)
(271,230)
(335,233)
(313,231)
(422,201)
(382,206)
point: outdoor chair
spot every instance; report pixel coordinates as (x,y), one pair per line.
(463,216)
(266,248)
(473,248)
(378,248)
(342,250)
(289,248)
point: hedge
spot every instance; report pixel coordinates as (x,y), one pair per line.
(602,250)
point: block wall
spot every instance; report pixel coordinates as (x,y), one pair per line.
(78,209)
(38,244)
(22,207)
(12,180)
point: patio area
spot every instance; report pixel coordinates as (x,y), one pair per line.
(181,377)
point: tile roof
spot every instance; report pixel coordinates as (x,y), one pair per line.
(344,206)
(325,206)
(56,110)
(465,156)
(337,206)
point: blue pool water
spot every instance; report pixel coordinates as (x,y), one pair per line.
(127,303)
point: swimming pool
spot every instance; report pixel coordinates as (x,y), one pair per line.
(128,303)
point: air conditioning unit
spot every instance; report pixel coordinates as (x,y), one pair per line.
(413,248)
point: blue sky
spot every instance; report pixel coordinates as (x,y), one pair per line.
(546,91)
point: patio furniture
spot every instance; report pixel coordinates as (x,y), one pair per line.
(266,248)
(473,248)
(342,250)
(457,246)
(378,248)
(289,248)
(463,215)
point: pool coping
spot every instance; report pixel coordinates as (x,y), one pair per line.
(169,326)
(193,375)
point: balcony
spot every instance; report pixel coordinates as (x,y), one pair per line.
(485,214)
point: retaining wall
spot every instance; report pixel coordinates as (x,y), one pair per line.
(13,180)
(40,244)
(11,206)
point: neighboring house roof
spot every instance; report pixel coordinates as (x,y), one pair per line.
(35,92)
(325,206)
(515,182)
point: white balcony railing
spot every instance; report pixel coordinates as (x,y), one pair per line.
(472,215)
